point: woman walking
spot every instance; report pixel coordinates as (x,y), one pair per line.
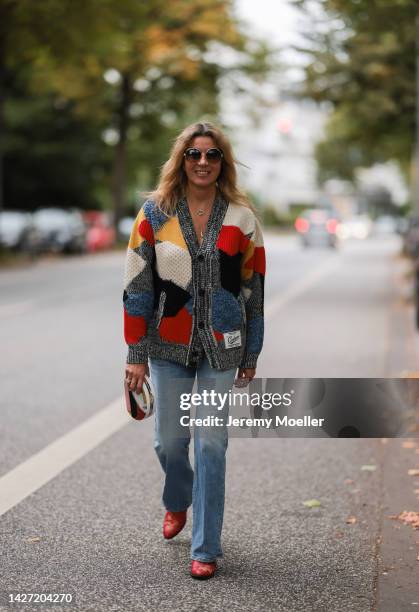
(193,308)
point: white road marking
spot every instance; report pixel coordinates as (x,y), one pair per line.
(36,471)
(32,474)
(301,286)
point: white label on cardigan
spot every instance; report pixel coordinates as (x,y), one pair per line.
(232,339)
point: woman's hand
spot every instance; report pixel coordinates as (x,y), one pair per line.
(134,375)
(246,375)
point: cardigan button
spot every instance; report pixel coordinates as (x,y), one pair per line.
(201,292)
(201,257)
(201,325)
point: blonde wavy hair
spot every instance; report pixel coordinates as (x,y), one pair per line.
(173,180)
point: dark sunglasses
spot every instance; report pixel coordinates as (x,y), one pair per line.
(211,155)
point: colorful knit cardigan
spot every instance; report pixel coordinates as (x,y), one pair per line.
(178,294)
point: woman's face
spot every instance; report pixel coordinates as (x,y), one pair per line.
(202,173)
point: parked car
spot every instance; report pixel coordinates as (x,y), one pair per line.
(125,227)
(358,227)
(318,227)
(100,231)
(386,225)
(61,231)
(411,237)
(17,231)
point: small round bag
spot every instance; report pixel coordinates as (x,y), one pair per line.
(140,405)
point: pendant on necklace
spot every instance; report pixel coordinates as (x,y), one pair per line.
(200,212)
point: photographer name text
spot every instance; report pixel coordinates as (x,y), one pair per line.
(283,421)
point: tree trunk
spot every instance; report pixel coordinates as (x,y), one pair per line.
(120,162)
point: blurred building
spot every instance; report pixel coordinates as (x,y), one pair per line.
(278,148)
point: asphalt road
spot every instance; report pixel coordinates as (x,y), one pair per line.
(97,522)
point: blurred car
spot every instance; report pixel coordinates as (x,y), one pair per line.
(317,227)
(402,225)
(17,231)
(386,225)
(61,230)
(100,231)
(411,237)
(358,227)
(125,227)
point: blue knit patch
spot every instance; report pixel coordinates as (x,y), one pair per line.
(154,215)
(226,311)
(189,306)
(139,304)
(255,335)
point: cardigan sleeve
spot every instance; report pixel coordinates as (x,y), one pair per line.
(252,289)
(138,295)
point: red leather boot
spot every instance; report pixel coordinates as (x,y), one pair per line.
(203,570)
(173,523)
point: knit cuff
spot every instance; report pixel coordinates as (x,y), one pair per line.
(249,360)
(137,354)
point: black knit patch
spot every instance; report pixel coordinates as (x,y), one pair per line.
(230,266)
(176,297)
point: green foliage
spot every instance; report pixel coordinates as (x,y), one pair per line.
(56,104)
(362,60)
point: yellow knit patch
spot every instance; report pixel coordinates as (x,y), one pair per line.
(135,238)
(246,273)
(171,232)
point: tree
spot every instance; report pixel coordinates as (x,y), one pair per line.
(136,71)
(363,62)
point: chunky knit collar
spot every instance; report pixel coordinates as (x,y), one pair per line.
(212,230)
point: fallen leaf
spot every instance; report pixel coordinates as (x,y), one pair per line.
(409,444)
(349,481)
(368,468)
(408,518)
(312,503)
(35,539)
(351,520)
(413,472)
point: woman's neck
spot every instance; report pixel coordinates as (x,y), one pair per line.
(199,197)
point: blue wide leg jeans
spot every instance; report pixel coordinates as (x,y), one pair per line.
(203,486)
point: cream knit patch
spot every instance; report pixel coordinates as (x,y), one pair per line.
(134,265)
(246,293)
(240,216)
(173,263)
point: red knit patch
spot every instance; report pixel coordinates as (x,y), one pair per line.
(218,336)
(260,261)
(178,328)
(134,328)
(231,240)
(146,231)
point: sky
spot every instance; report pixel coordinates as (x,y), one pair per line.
(275,19)
(279,23)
